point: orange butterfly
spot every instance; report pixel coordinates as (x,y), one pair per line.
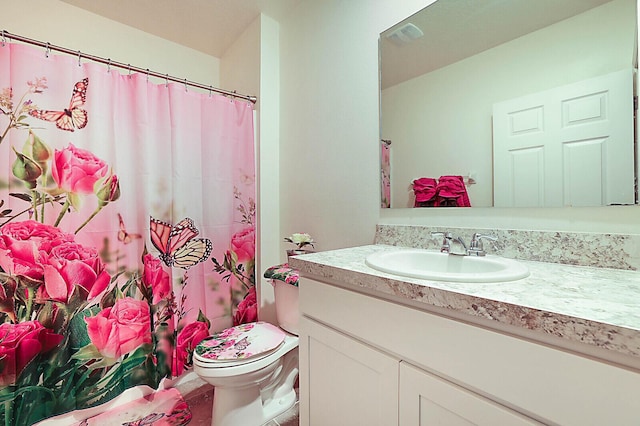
(123,235)
(177,245)
(70,118)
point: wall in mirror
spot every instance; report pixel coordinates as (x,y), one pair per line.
(437,107)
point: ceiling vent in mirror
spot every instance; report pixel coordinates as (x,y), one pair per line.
(405,34)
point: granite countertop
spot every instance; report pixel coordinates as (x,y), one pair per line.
(595,306)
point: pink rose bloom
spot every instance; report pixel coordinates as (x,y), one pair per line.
(19,344)
(247,309)
(70,265)
(188,339)
(292,278)
(120,329)
(77,170)
(23,243)
(243,243)
(156,277)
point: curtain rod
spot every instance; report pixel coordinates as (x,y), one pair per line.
(5,34)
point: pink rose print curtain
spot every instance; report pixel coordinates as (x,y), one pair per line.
(126,229)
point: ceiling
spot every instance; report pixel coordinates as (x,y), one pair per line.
(456,29)
(208,26)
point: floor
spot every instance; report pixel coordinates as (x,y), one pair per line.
(200,402)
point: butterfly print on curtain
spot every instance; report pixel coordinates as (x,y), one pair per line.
(177,245)
(70,118)
(123,235)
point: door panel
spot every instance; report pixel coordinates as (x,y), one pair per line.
(428,400)
(583,139)
(348,382)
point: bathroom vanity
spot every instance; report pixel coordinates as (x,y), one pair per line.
(561,346)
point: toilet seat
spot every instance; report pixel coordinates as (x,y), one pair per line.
(239,345)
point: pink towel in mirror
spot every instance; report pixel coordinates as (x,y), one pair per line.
(452,192)
(425,191)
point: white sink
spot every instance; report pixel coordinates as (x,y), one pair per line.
(433,265)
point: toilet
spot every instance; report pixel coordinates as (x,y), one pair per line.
(253,366)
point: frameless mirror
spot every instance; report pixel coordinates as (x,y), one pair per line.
(460,75)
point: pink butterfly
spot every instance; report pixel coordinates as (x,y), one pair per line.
(70,118)
(177,245)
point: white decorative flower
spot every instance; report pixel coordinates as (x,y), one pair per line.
(300,240)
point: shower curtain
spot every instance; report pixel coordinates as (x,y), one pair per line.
(126,229)
(385,174)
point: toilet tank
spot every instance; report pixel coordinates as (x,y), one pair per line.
(286,300)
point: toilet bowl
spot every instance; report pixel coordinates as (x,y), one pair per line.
(253,367)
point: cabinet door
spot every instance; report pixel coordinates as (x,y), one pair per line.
(426,399)
(343,381)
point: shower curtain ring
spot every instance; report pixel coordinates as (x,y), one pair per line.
(166,80)
(79,58)
(210,90)
(47,51)
(186,89)
(129,68)
(147,75)
(4,39)
(109,65)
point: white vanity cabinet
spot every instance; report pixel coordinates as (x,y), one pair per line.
(365,360)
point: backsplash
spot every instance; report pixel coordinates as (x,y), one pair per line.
(618,251)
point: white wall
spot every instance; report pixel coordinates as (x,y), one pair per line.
(440,122)
(240,63)
(68,26)
(269,166)
(251,65)
(329,135)
(329,139)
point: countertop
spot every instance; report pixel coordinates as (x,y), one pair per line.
(595,306)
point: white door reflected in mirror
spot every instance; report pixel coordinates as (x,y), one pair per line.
(568,146)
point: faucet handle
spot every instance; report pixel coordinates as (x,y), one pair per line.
(476,247)
(446,237)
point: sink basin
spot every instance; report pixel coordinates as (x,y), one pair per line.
(433,265)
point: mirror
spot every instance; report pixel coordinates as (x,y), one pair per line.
(438,90)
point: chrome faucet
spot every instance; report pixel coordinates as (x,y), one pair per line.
(455,245)
(476,247)
(451,244)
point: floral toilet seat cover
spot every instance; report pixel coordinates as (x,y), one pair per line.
(240,343)
(284,273)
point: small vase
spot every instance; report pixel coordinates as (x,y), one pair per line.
(296,252)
